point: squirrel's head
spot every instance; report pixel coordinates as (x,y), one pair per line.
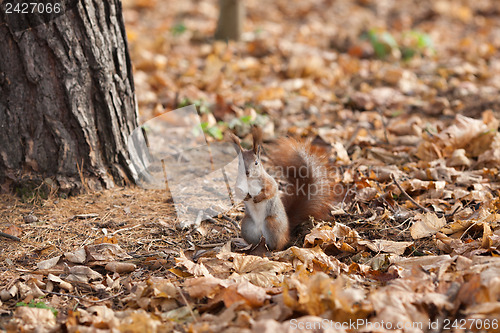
(251,157)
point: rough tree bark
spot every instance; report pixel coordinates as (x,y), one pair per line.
(67,102)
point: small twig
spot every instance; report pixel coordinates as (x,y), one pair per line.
(152,254)
(188,305)
(442,214)
(82,178)
(467,230)
(457,210)
(167,188)
(125,229)
(383,198)
(408,196)
(228,187)
(3,234)
(408,227)
(208,246)
(384,123)
(396,227)
(352,138)
(342,204)
(83,298)
(233,222)
(219,224)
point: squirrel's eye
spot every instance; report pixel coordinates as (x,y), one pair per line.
(257,162)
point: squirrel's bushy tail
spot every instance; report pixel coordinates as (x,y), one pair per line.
(310,189)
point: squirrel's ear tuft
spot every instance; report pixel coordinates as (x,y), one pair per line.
(237,145)
(258,151)
(257,139)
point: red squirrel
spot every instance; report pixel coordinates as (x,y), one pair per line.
(309,191)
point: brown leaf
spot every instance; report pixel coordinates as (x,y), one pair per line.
(245,292)
(62,284)
(34,319)
(138,321)
(13,230)
(49,263)
(106,252)
(162,288)
(77,257)
(337,234)
(318,293)
(387,246)
(120,267)
(491,157)
(83,274)
(474,136)
(155,293)
(313,259)
(105,239)
(426,224)
(468,291)
(259,271)
(207,286)
(195,269)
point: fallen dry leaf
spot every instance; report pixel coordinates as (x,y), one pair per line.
(426,224)
(49,263)
(34,319)
(120,267)
(78,257)
(83,274)
(106,252)
(244,292)
(379,86)
(259,271)
(380,245)
(195,269)
(207,286)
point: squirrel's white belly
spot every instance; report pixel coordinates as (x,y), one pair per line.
(257,211)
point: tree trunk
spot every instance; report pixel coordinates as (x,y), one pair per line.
(231,19)
(67,102)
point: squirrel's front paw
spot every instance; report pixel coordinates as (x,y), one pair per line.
(258,199)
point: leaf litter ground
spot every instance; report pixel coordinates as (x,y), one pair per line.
(404,96)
